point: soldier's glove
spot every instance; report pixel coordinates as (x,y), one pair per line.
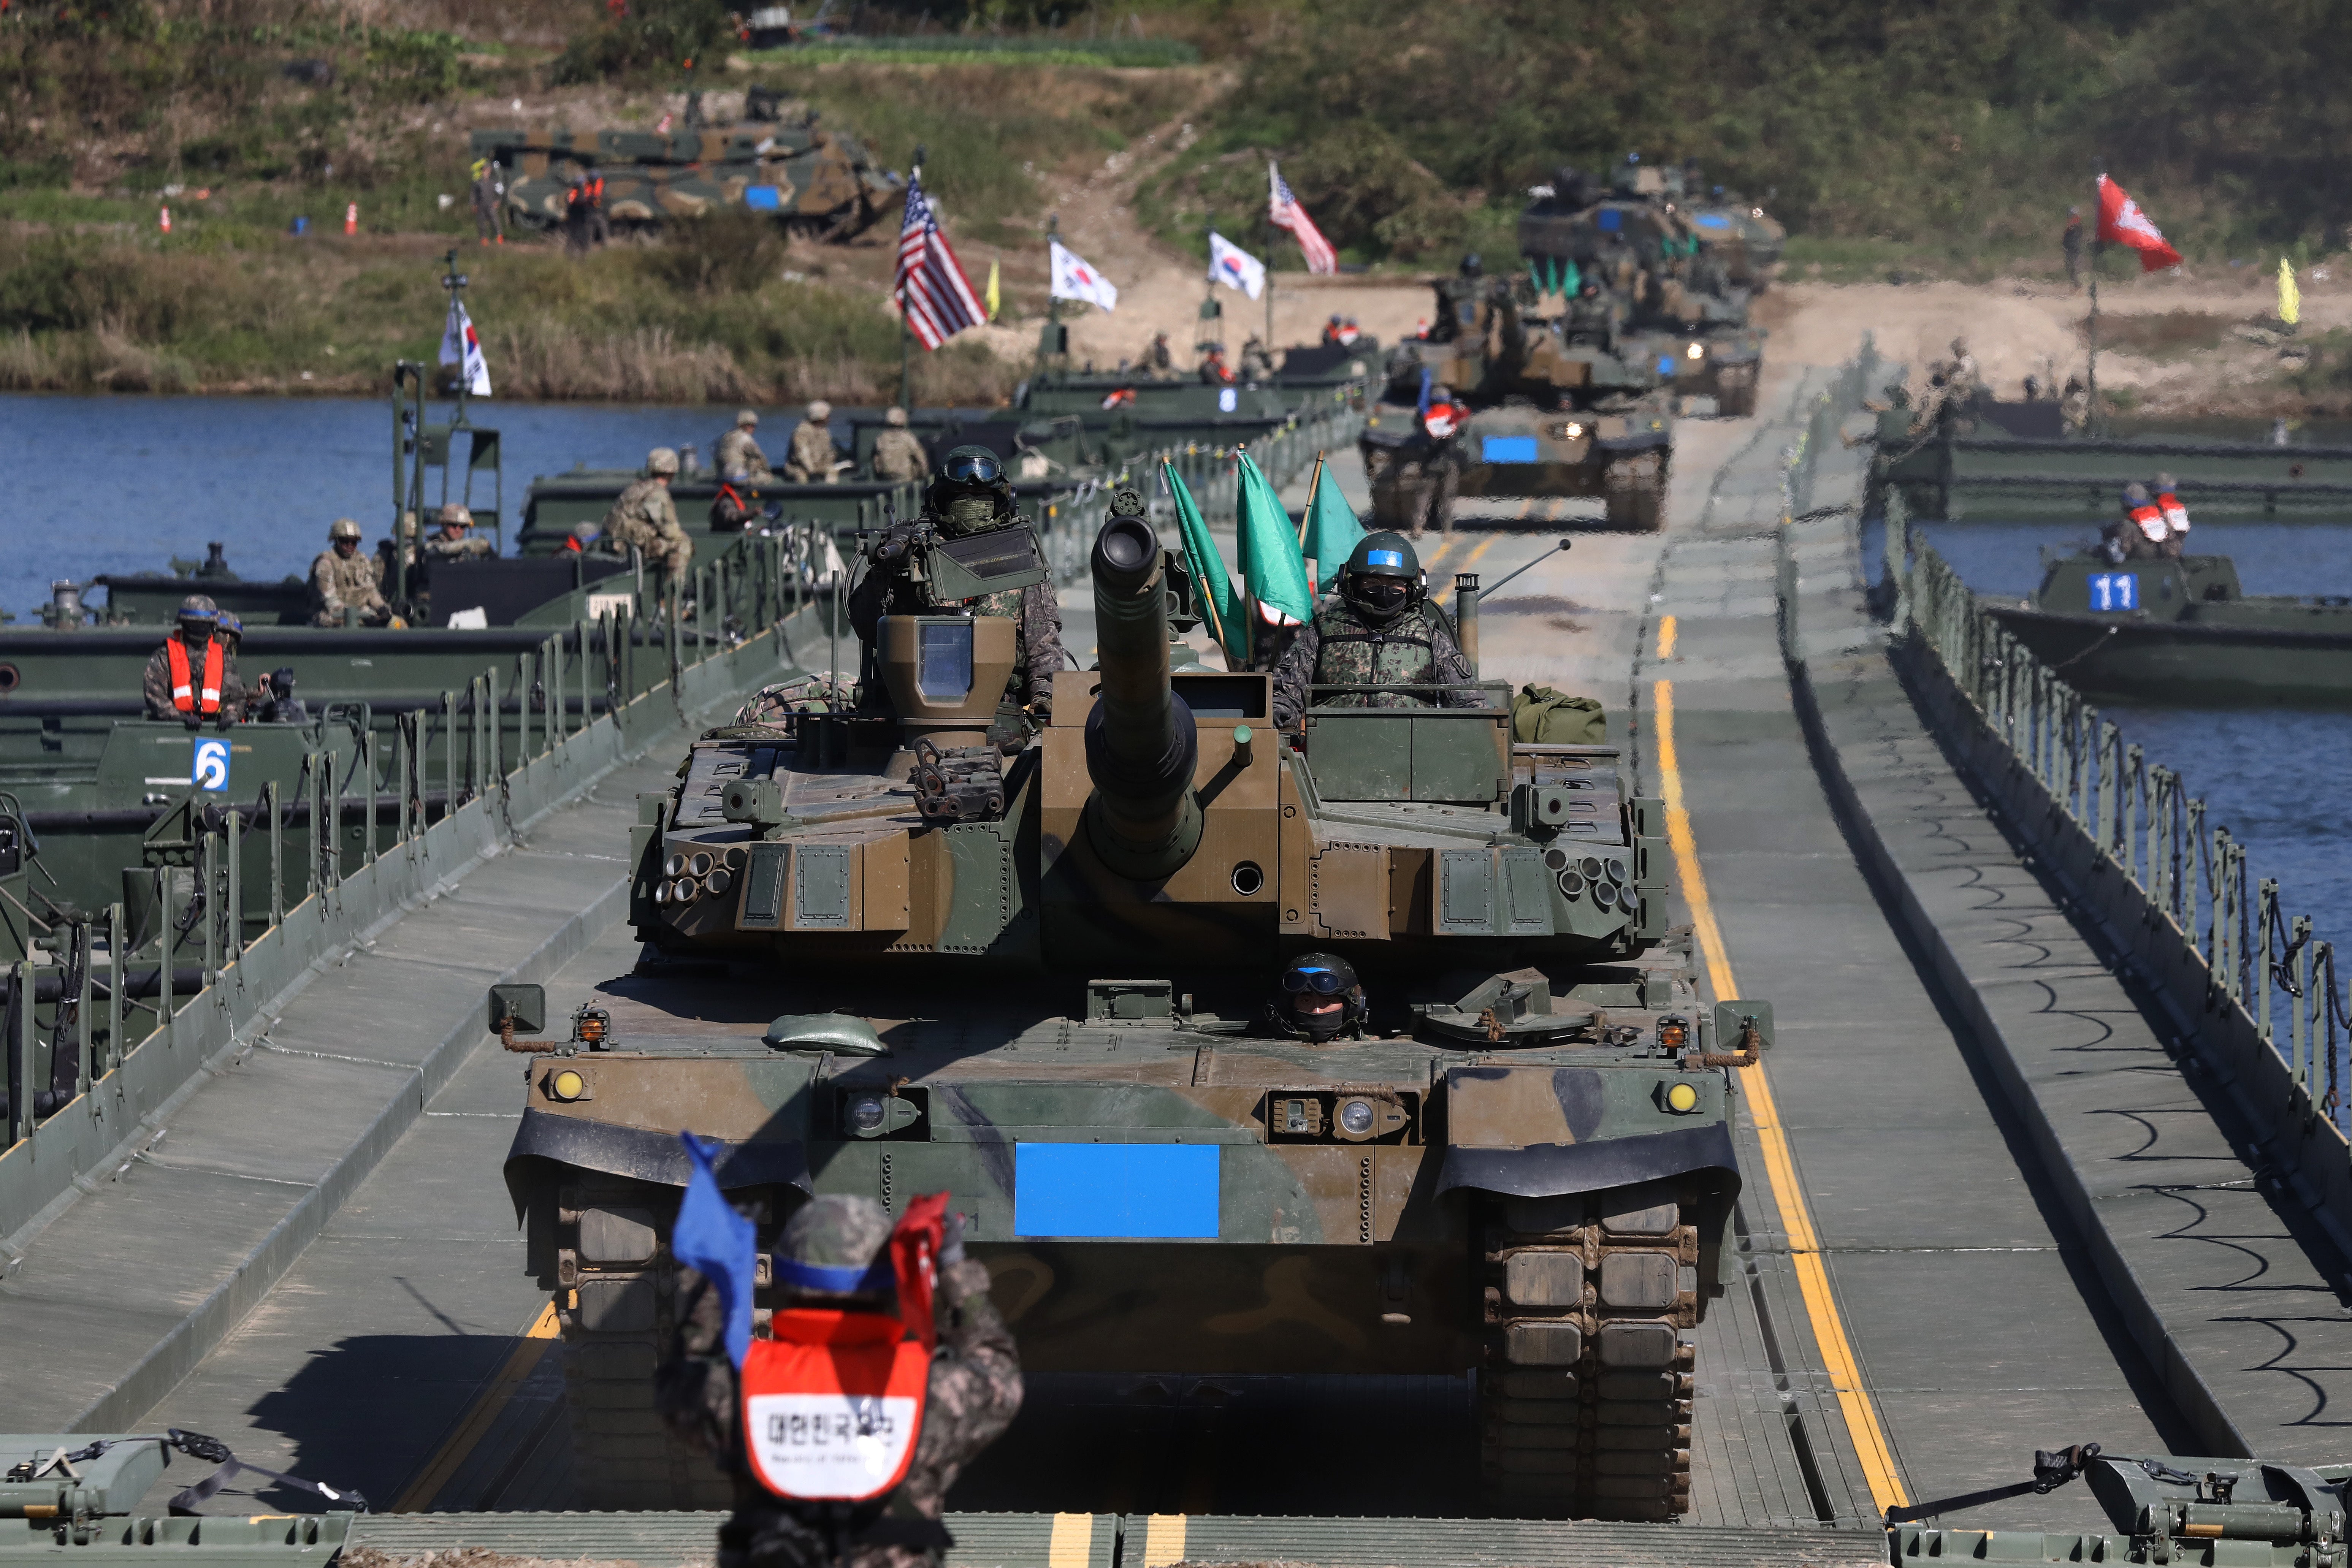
(951,1247)
(1041,708)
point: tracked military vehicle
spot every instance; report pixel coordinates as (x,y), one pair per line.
(1684,273)
(891,950)
(815,179)
(1570,405)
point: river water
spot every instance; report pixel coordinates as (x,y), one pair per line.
(2275,778)
(122,483)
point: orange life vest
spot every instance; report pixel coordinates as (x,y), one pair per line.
(2150,522)
(184,696)
(833,1404)
(2174,513)
(1441,419)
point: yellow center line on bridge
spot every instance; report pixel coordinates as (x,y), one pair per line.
(1861,1412)
(1484,546)
(476,1424)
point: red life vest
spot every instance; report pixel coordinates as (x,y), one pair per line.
(2174,513)
(184,697)
(1441,419)
(2150,522)
(832,1405)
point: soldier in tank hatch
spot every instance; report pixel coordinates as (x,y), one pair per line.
(192,676)
(832,1267)
(970,495)
(1318,998)
(342,580)
(646,517)
(1378,629)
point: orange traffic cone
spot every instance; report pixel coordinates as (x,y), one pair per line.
(167,220)
(351,219)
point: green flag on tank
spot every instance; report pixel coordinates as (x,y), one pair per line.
(1220,605)
(1331,528)
(1273,569)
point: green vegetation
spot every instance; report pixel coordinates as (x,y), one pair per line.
(955,49)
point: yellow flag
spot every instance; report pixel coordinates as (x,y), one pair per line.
(2290,297)
(992,290)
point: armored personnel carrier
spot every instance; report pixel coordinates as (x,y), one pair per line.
(815,179)
(1684,273)
(889,953)
(1563,406)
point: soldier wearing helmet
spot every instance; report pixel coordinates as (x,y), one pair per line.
(192,676)
(1317,997)
(345,584)
(969,495)
(456,539)
(812,459)
(738,451)
(898,457)
(833,1258)
(645,517)
(1378,630)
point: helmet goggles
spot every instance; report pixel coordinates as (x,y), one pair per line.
(1322,982)
(973,468)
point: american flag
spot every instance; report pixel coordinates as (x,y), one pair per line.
(933,294)
(1285,213)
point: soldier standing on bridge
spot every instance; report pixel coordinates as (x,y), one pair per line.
(835,1283)
(898,455)
(343,582)
(644,517)
(1378,630)
(192,676)
(810,459)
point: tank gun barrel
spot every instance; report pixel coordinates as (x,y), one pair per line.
(1142,743)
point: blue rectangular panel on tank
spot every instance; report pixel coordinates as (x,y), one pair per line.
(2113,590)
(762,198)
(1665,364)
(1610,219)
(1160,1192)
(1506,449)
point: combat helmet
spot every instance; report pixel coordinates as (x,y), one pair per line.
(1382,578)
(661,461)
(970,491)
(198,610)
(454,514)
(746,417)
(834,1246)
(342,529)
(1321,975)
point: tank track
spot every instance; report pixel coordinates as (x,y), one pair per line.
(1586,1379)
(617,1317)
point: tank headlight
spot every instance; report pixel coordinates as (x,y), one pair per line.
(1574,430)
(700,865)
(718,881)
(673,866)
(1681,1098)
(1356,1117)
(1570,884)
(1696,350)
(866,1113)
(566,1086)
(1673,1032)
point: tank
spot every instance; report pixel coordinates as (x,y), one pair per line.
(884,954)
(1570,405)
(1684,268)
(816,181)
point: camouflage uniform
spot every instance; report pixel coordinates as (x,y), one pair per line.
(646,517)
(464,547)
(489,219)
(155,686)
(1339,647)
(738,453)
(811,460)
(973,1394)
(337,583)
(899,455)
(802,694)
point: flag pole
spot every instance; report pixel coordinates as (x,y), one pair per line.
(1249,579)
(1307,519)
(2098,209)
(906,351)
(1201,577)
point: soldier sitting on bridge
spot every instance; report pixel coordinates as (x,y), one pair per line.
(456,539)
(1378,630)
(343,583)
(738,451)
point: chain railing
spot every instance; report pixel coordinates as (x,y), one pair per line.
(2190,875)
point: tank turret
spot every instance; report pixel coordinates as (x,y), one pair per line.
(1142,745)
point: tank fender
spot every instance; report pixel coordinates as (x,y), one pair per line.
(544,1142)
(1638,441)
(1552,1170)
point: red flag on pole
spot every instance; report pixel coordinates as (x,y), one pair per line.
(2122,223)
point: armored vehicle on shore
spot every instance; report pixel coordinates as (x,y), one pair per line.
(815,179)
(892,950)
